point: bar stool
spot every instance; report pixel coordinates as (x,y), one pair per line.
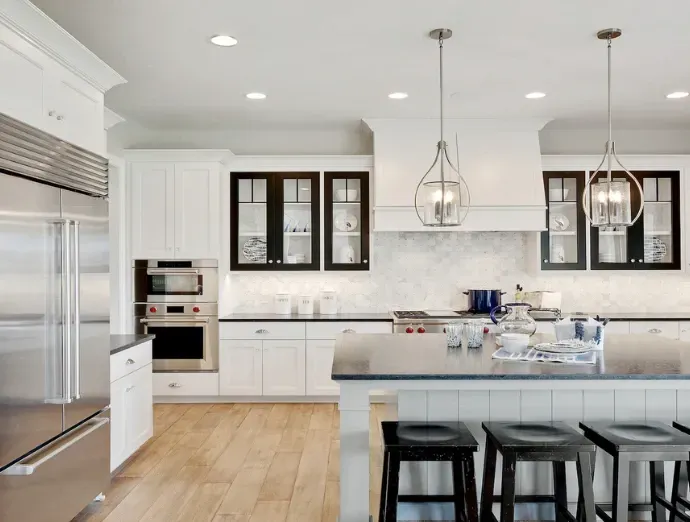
(652,442)
(433,441)
(679,492)
(554,442)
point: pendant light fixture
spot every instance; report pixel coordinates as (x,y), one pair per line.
(607,203)
(442,194)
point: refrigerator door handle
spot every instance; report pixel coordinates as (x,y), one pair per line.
(76,313)
(29,465)
(65,270)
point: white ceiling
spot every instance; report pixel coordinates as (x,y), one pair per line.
(325,64)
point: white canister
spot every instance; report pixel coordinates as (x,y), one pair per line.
(283,304)
(305,305)
(328,304)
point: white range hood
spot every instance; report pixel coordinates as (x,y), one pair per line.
(499,159)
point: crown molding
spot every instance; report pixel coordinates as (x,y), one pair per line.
(472,124)
(111,118)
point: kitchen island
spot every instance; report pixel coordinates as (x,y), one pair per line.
(641,377)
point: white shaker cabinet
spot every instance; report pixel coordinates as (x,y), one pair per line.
(662,328)
(283,367)
(319,368)
(240,366)
(684,334)
(118,423)
(175,210)
(21,98)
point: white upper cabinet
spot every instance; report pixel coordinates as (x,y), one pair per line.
(59,91)
(175,210)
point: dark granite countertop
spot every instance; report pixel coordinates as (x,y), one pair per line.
(360,317)
(423,357)
(629,316)
(119,343)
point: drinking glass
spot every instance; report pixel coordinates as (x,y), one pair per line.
(474,330)
(454,334)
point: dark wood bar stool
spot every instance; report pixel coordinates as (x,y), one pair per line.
(679,492)
(429,441)
(554,442)
(652,442)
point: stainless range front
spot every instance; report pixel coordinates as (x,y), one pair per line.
(431,321)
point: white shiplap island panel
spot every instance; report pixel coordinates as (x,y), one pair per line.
(466,395)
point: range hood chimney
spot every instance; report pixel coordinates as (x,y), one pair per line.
(499,159)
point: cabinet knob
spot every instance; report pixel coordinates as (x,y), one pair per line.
(365,261)
(349,330)
(51,113)
(654,331)
(632,260)
(279,261)
(129,361)
(546,261)
(261,331)
(60,117)
(174,385)
(640,260)
(270,261)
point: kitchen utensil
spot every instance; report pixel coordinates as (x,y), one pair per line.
(558,222)
(474,332)
(346,195)
(516,320)
(514,342)
(283,304)
(305,305)
(483,301)
(328,304)
(345,222)
(254,249)
(454,334)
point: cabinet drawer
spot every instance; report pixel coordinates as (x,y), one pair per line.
(257,330)
(330,330)
(618,327)
(663,328)
(185,384)
(130,360)
(684,334)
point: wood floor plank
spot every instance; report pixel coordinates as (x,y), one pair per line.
(219,439)
(263,449)
(163,422)
(244,492)
(273,511)
(318,441)
(151,454)
(333,472)
(120,487)
(229,463)
(331,502)
(256,418)
(281,476)
(322,417)
(194,439)
(310,484)
(190,418)
(209,421)
(279,415)
(204,503)
(232,518)
(300,417)
(292,440)
(178,492)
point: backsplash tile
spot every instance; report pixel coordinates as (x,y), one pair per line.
(430,270)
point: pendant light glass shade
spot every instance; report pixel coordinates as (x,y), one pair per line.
(608,202)
(442,197)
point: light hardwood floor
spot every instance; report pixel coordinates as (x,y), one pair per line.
(237,463)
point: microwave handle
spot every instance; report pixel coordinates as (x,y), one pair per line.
(167,271)
(174,320)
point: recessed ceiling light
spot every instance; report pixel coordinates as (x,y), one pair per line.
(397,95)
(223,40)
(677,94)
(256,96)
(535,95)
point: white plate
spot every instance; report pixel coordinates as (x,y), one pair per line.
(563,347)
(345,222)
(558,222)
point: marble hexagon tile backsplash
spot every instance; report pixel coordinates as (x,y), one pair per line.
(430,271)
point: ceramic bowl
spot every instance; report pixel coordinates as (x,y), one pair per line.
(514,342)
(346,194)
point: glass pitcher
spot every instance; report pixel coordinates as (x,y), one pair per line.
(516,320)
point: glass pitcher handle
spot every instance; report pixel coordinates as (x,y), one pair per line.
(492,314)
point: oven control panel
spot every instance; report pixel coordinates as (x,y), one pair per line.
(165,309)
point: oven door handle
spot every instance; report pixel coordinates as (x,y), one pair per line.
(167,271)
(175,320)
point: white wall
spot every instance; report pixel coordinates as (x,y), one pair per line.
(561,141)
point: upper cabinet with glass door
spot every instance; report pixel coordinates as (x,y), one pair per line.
(563,244)
(653,242)
(346,216)
(274,221)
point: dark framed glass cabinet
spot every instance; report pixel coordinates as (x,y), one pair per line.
(564,242)
(654,241)
(275,221)
(346,221)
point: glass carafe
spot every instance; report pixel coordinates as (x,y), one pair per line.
(516,320)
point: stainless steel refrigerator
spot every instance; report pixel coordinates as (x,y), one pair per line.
(54,328)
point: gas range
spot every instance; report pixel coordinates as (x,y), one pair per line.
(431,321)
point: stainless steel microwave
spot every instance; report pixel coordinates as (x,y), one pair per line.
(176,281)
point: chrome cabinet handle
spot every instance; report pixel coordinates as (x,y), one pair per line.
(348,330)
(129,361)
(51,113)
(654,330)
(261,331)
(60,117)
(174,385)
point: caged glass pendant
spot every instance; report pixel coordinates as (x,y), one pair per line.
(442,197)
(608,202)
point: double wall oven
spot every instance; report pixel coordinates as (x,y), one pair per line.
(178,302)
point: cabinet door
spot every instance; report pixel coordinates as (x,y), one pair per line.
(668,329)
(21,92)
(118,421)
(240,368)
(563,244)
(346,220)
(319,368)
(197,210)
(252,221)
(298,216)
(283,368)
(684,333)
(152,218)
(139,408)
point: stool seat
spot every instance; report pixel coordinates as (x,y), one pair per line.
(636,436)
(412,434)
(536,436)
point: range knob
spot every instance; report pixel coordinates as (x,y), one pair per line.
(421,329)
(409,329)
(486,329)
(153,309)
(196,309)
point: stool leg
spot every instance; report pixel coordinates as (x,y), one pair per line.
(384,487)
(680,487)
(560,491)
(488,482)
(472,513)
(391,510)
(585,480)
(459,488)
(658,487)
(621,479)
(508,489)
